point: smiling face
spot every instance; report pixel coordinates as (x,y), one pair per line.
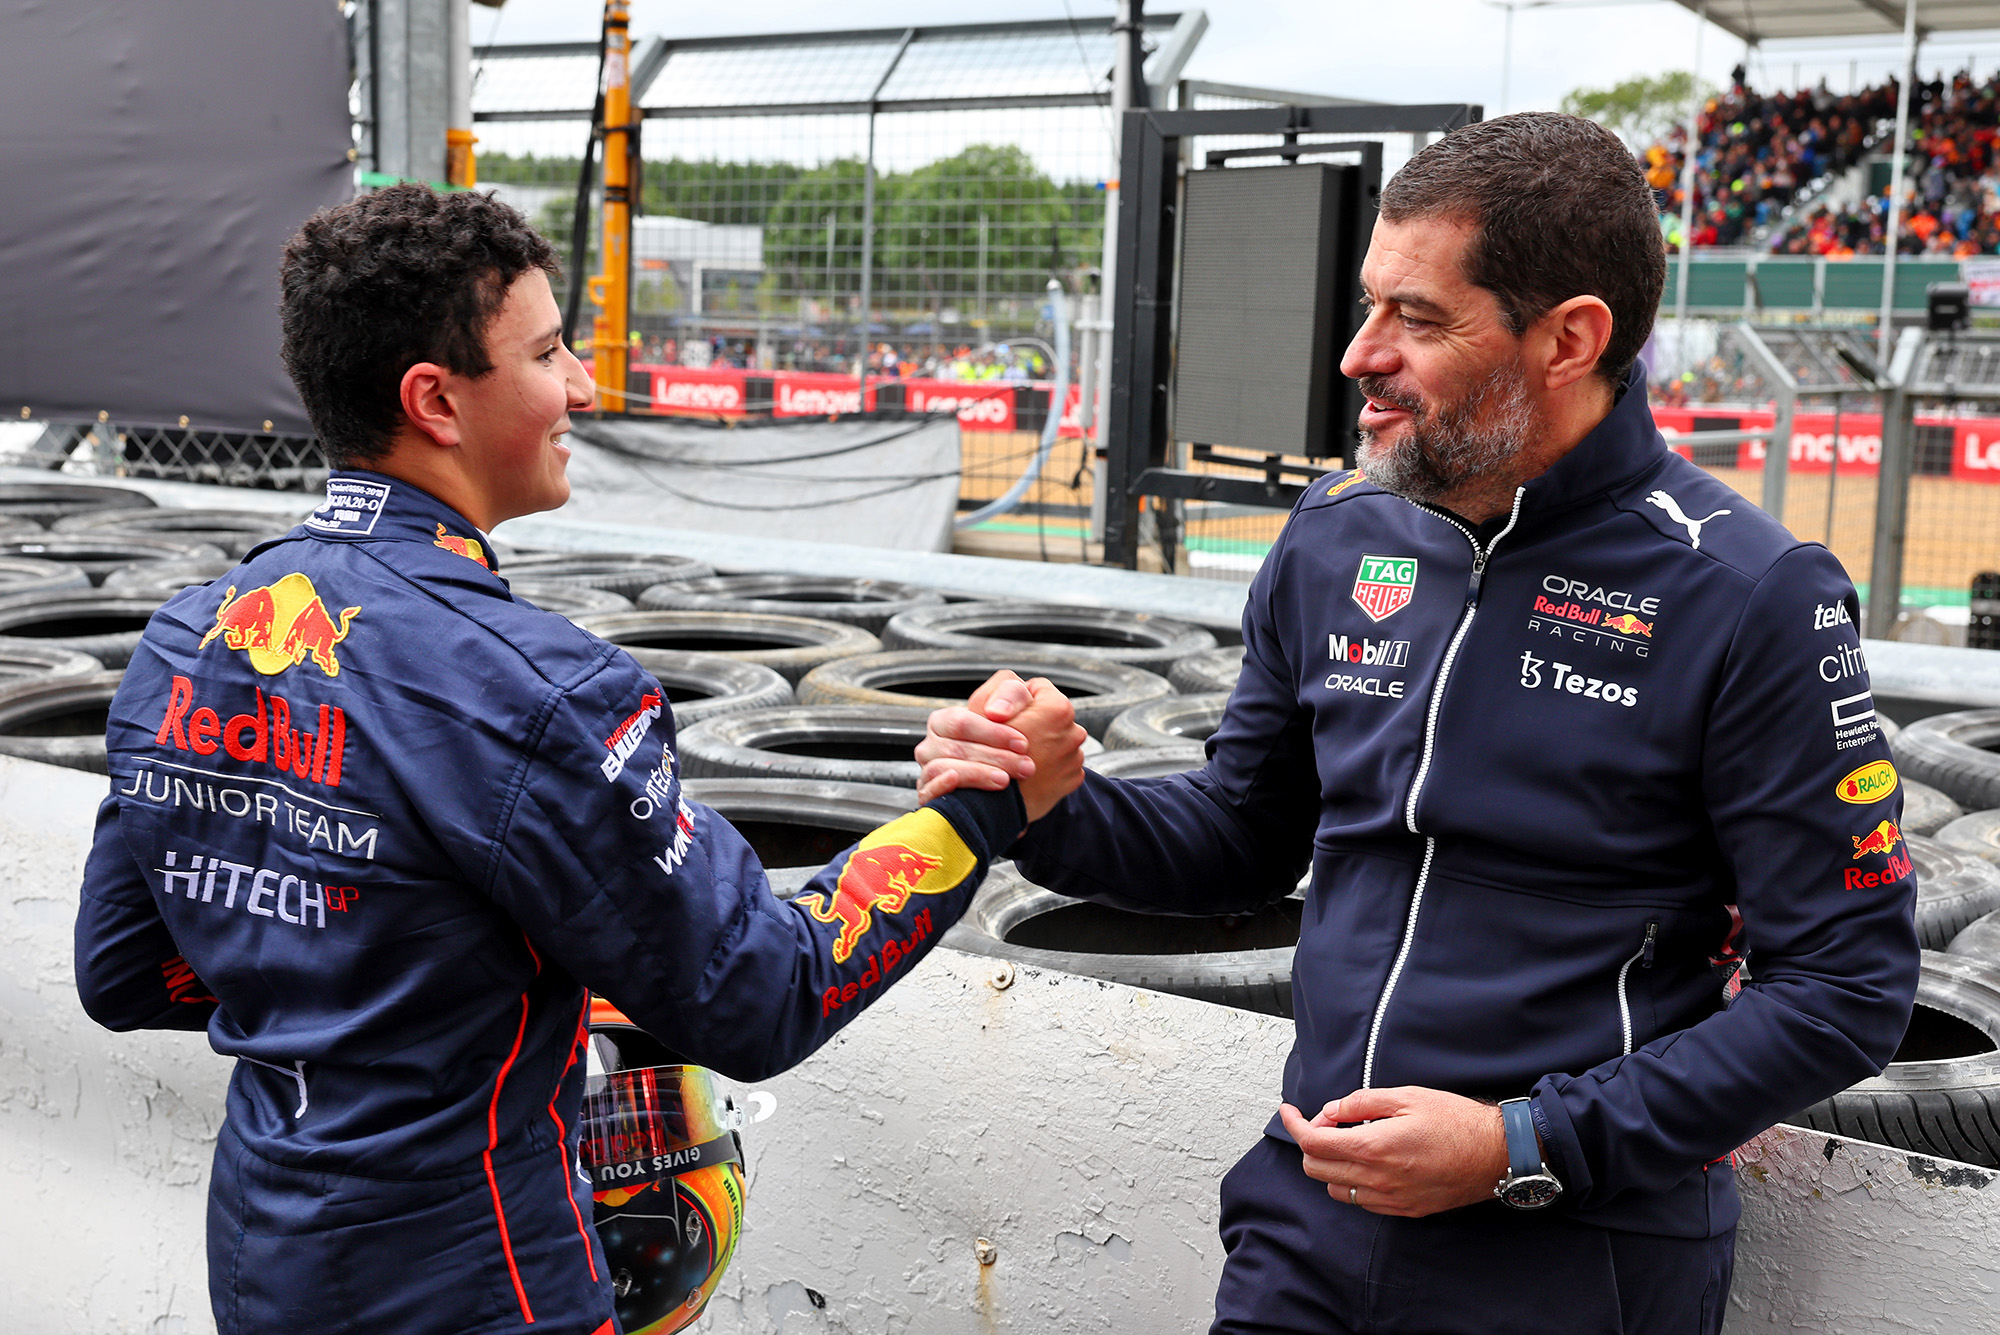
(1447,402)
(512,419)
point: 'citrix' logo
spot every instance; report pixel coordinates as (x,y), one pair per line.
(1367,652)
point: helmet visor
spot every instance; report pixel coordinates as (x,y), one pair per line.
(655,1122)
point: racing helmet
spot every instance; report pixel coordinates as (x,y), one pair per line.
(665,1162)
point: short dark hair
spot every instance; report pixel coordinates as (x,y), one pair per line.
(1562,210)
(371,287)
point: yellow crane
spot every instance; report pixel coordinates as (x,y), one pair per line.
(611,290)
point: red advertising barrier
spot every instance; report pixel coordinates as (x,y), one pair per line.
(733,392)
(1975,441)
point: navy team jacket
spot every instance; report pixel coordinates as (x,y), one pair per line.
(1538,772)
(375,825)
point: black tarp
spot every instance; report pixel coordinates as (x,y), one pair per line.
(154,156)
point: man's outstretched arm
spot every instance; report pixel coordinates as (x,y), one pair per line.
(660,905)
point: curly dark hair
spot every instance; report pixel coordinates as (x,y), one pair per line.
(389,279)
(1562,211)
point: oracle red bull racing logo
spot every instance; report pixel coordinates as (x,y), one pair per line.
(281,625)
(917,854)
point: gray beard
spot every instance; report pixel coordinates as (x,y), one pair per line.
(1457,445)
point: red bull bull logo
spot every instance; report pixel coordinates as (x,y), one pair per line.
(469,548)
(280,626)
(1881,839)
(917,854)
(1627,624)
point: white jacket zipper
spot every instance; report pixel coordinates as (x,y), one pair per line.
(1644,952)
(1479,560)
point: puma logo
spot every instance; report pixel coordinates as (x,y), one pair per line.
(1674,512)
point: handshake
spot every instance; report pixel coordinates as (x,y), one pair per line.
(1009,731)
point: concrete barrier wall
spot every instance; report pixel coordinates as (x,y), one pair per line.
(1078,1127)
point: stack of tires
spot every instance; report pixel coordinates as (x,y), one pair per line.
(82,569)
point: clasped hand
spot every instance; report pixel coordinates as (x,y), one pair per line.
(1415,1151)
(1010,731)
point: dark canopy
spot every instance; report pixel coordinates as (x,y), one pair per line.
(153,159)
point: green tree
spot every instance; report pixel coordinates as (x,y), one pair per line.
(1640,110)
(928,243)
(795,231)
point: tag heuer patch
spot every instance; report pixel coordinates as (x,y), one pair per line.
(1384,584)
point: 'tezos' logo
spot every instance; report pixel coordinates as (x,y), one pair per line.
(1882,839)
(917,854)
(466,547)
(625,739)
(1828,615)
(1870,783)
(1385,584)
(280,626)
(1366,652)
(1567,679)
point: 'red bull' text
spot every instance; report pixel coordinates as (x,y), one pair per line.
(264,736)
(894,952)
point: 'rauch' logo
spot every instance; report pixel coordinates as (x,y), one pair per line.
(1384,584)
(1871,783)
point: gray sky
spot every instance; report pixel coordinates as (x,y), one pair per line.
(1415,51)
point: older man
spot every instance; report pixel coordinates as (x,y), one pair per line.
(1543,705)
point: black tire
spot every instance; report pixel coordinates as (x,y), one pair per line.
(1208,673)
(1925,809)
(867,603)
(1953,889)
(797,826)
(1889,727)
(845,743)
(163,579)
(1243,961)
(1979,941)
(25,574)
(58,720)
(105,626)
(703,686)
(1137,638)
(1954,753)
(1977,834)
(793,646)
(934,678)
(21,661)
(567,597)
(233,532)
(627,574)
(98,554)
(1941,1095)
(1176,720)
(46,502)
(1147,762)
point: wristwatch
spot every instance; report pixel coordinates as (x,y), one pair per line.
(1528,1184)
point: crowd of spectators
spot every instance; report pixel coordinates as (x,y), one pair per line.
(1757,152)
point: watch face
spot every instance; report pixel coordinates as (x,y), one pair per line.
(1532,1192)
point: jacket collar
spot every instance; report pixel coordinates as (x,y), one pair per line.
(1618,449)
(365,506)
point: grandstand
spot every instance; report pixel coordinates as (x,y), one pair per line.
(1795,173)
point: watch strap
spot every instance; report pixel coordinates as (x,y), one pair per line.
(1524,1152)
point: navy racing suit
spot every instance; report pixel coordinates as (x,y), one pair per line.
(1541,770)
(376,825)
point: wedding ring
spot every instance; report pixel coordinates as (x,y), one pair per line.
(1350,1197)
